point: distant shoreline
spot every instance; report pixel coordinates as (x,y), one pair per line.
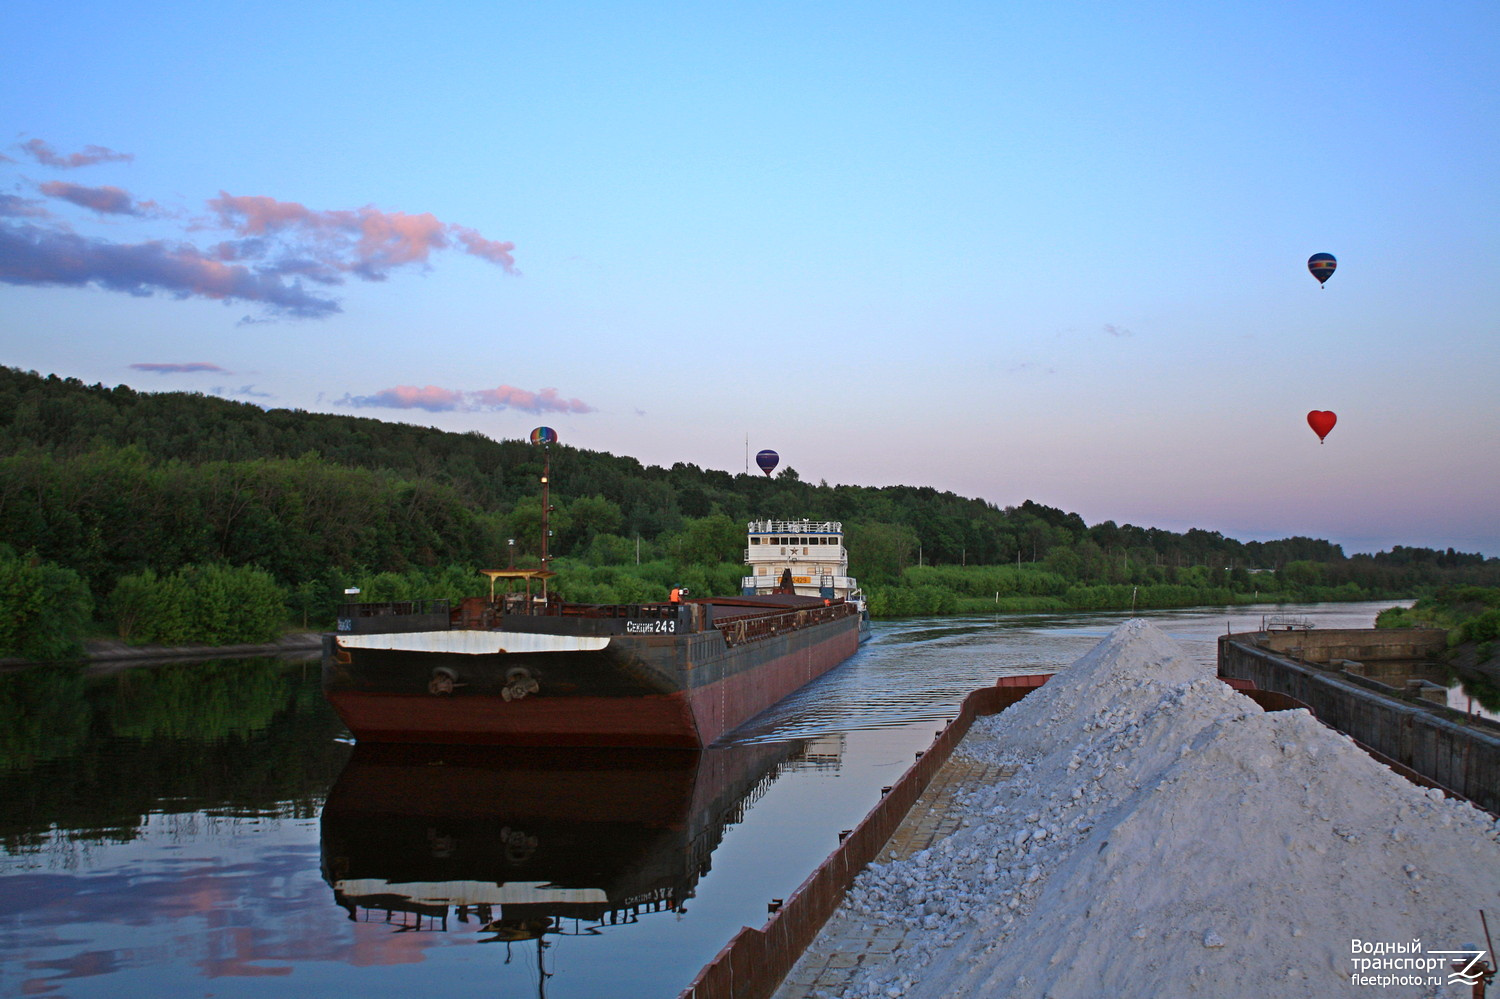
(112,654)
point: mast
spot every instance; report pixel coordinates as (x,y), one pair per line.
(546,437)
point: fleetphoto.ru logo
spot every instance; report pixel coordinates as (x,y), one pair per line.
(1383,963)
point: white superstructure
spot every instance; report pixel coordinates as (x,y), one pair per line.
(811,551)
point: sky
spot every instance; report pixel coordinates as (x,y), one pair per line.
(1046,251)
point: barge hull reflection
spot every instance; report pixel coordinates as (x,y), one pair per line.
(523,836)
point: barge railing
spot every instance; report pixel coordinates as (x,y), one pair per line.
(754,627)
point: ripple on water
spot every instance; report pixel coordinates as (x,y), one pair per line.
(920,669)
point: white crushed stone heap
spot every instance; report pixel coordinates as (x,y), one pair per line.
(1165,837)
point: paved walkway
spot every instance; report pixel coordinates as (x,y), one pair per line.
(829,965)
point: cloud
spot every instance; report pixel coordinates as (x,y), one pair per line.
(276,255)
(363,241)
(44,154)
(178,369)
(30,255)
(442,400)
(431,398)
(247,391)
(1114,330)
(105,200)
(545,401)
(15,207)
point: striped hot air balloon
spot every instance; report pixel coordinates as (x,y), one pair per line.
(1322,266)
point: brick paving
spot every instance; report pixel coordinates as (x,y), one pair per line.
(832,961)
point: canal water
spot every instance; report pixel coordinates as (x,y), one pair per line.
(209,829)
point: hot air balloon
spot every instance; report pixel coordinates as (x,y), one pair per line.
(767,460)
(1322,421)
(1322,266)
(544,435)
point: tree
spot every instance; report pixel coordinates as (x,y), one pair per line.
(879,552)
(708,541)
(44,609)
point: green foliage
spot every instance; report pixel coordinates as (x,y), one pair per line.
(111,483)
(611,549)
(213,604)
(912,601)
(1470,614)
(44,609)
(448,582)
(591,517)
(1463,610)
(879,552)
(707,541)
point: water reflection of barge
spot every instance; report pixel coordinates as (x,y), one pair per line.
(516,842)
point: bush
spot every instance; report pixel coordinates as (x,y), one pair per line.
(44,609)
(212,605)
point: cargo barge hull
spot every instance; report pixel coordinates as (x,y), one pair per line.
(682,690)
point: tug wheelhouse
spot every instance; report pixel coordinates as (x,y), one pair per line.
(811,554)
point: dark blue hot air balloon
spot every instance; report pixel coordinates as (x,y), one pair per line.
(767,460)
(1322,266)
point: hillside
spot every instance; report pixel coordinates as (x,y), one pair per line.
(109,481)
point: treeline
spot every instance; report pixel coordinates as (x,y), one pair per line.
(1470,615)
(100,487)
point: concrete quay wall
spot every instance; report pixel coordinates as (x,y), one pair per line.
(1358,644)
(1453,750)
(753,964)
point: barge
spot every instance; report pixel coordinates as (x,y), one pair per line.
(526,668)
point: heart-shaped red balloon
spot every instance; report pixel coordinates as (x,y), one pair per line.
(1322,421)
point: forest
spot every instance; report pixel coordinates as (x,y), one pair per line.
(156,515)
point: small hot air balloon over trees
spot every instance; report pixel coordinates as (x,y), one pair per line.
(767,460)
(1322,421)
(1322,266)
(544,436)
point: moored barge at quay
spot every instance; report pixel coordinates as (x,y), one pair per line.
(526,668)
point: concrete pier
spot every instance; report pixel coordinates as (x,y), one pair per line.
(835,956)
(1332,673)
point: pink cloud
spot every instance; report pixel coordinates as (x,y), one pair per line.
(176,369)
(365,241)
(276,253)
(44,154)
(493,251)
(431,398)
(106,200)
(435,400)
(545,401)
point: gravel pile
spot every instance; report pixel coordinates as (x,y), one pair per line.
(1165,836)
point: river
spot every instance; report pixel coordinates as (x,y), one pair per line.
(208,829)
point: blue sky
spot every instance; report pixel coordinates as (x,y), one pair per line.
(1019,251)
